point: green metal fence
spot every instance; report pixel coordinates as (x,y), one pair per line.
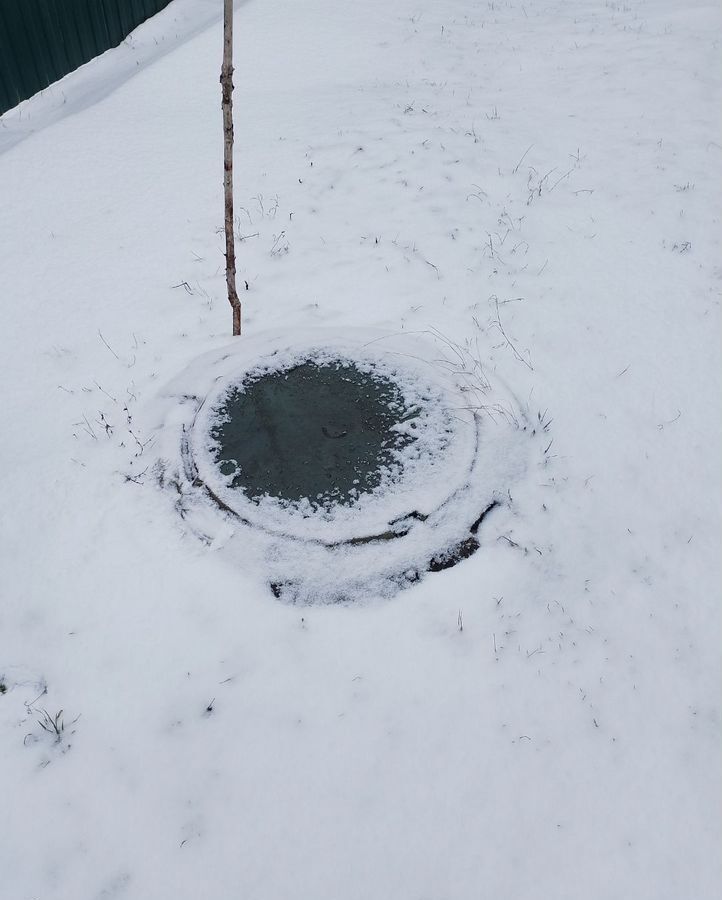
(42,40)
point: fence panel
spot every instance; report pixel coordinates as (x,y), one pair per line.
(42,40)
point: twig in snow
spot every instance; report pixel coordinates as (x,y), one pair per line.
(105,424)
(561,178)
(510,344)
(516,167)
(280,245)
(435,268)
(104,391)
(87,427)
(141,444)
(29,705)
(107,345)
(54,725)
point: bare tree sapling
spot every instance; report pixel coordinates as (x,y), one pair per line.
(227,106)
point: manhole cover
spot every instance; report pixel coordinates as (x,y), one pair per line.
(322,432)
(339,466)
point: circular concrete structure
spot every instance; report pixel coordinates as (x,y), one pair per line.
(340,465)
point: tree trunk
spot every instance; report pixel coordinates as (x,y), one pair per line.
(227,106)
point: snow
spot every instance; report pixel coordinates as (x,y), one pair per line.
(538,182)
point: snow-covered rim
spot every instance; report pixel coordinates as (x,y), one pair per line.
(394,538)
(433,469)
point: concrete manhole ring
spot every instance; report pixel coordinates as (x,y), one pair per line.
(341,464)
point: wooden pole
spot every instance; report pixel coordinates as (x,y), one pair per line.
(227,106)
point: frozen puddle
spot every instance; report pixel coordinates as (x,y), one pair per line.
(343,465)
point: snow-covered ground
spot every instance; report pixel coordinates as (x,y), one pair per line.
(539,181)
